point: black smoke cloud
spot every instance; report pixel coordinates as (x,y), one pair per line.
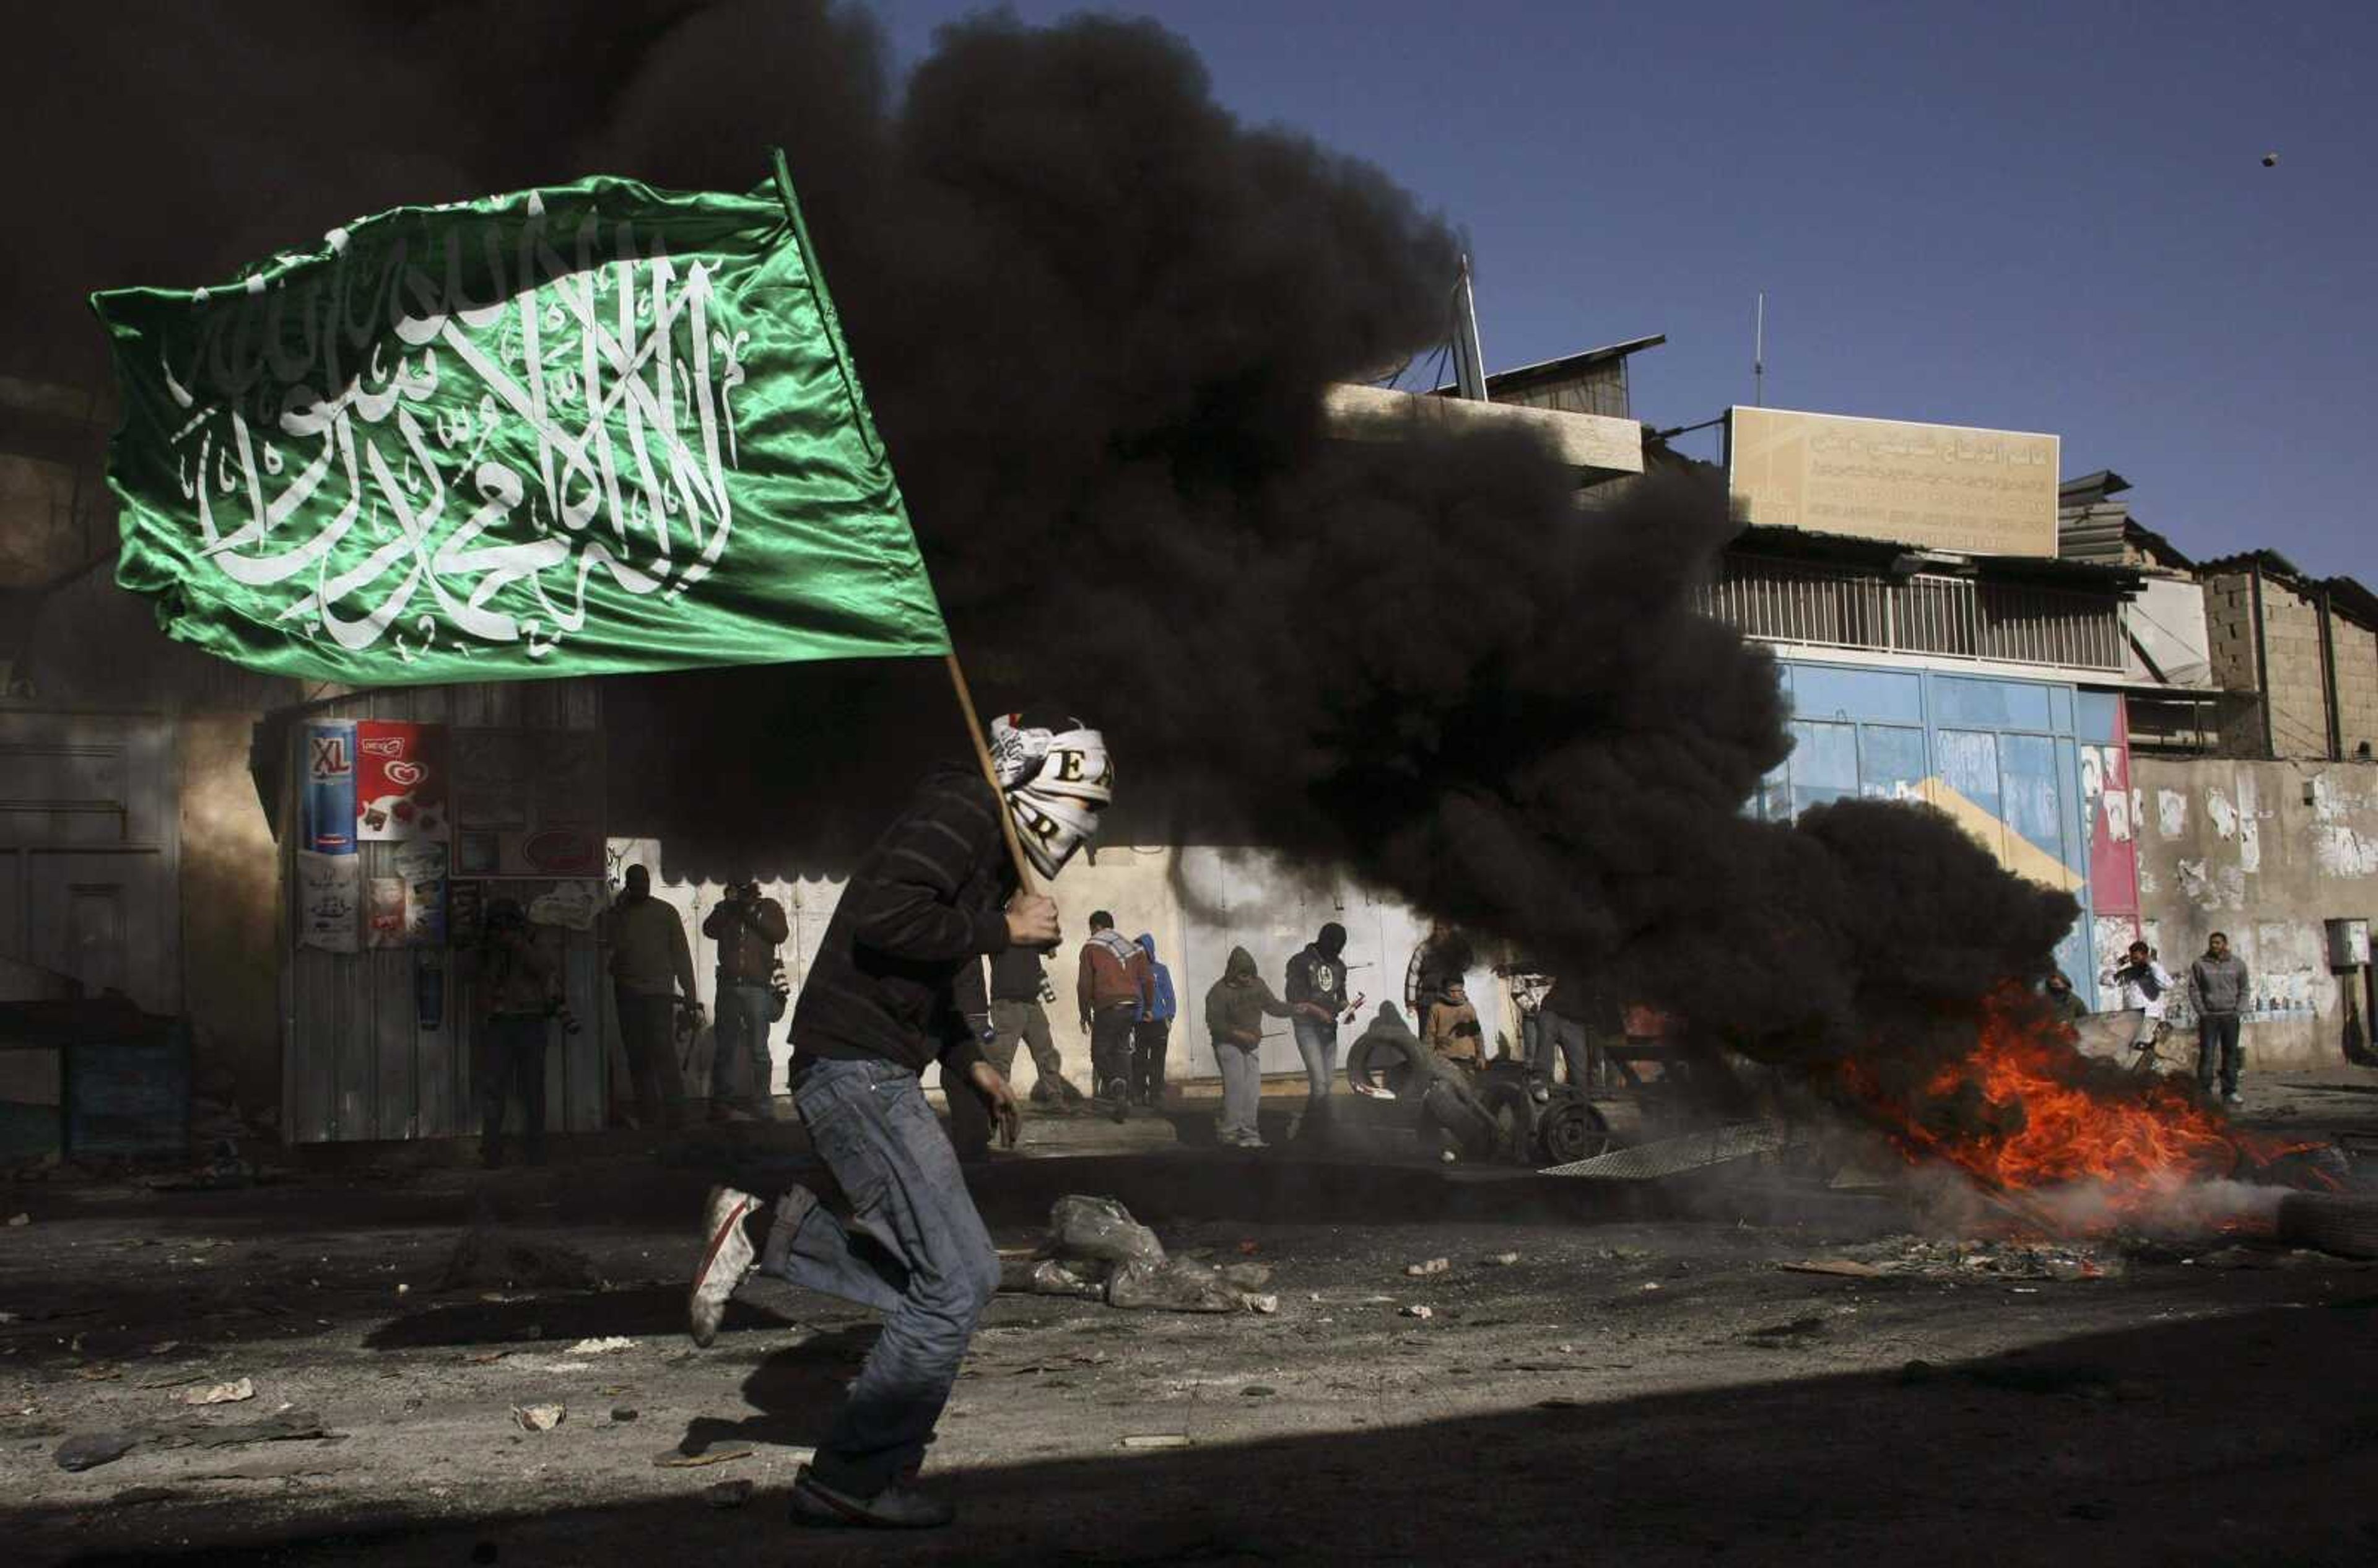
(1096,314)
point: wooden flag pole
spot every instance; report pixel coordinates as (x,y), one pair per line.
(1026,882)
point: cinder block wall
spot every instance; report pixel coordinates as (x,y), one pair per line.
(2237,846)
(2357,683)
(2294,685)
(2230,632)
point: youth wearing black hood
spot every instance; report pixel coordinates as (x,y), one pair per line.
(1317,994)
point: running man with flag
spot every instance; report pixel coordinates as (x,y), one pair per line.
(599,428)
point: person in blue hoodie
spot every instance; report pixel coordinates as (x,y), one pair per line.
(1153,1032)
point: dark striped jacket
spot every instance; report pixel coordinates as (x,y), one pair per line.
(901,965)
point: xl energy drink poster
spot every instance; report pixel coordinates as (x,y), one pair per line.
(327,804)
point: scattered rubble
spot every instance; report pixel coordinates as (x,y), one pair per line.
(679,1459)
(539,1417)
(222,1394)
(87,1451)
(1416,1310)
(1910,1256)
(1156,1440)
(1500,1259)
(485,1260)
(1434,1265)
(1097,1253)
(608,1345)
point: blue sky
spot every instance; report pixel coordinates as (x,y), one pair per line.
(2027,216)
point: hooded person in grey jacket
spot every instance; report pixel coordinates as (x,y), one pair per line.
(2219,983)
(1236,1006)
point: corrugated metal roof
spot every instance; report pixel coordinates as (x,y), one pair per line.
(1567,365)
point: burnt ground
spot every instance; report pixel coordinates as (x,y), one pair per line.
(1644,1383)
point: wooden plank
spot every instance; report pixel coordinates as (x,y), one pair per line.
(437,1108)
(395,1104)
(581,1054)
(312,1045)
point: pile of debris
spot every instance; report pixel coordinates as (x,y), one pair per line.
(1097,1252)
(1916,1256)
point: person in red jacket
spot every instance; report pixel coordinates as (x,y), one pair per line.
(1114,986)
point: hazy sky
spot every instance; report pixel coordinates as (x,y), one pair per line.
(2047,218)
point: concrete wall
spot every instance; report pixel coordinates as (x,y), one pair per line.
(2265,852)
(1198,902)
(230,916)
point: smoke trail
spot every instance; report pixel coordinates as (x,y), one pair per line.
(1096,314)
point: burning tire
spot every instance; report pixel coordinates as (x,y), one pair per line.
(2347,1227)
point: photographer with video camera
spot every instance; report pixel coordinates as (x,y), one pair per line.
(748,929)
(513,993)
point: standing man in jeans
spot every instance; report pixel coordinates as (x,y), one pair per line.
(649,962)
(2219,981)
(1019,992)
(1112,987)
(880,1004)
(1236,1006)
(515,993)
(748,930)
(1315,993)
(1153,1033)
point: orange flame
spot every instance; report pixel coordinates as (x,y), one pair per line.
(2030,1111)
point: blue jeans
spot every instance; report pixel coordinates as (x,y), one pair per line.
(511,1063)
(738,1058)
(1567,1035)
(1242,1090)
(910,1245)
(2217,1050)
(1317,1044)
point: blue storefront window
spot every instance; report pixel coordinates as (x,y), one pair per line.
(1989,704)
(1833,691)
(2029,785)
(1890,761)
(1824,763)
(2008,747)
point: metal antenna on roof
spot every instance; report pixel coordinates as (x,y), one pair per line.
(1469,358)
(1759,355)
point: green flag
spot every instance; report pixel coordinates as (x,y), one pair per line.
(580,430)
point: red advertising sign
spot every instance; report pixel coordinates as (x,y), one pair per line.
(401,780)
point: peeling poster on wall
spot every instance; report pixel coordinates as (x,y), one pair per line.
(330,895)
(422,869)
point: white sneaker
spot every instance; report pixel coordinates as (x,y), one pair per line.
(727,1258)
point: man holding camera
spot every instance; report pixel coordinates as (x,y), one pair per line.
(748,930)
(513,993)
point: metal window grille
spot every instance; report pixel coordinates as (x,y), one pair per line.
(1779,601)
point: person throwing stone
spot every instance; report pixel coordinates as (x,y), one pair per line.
(935,894)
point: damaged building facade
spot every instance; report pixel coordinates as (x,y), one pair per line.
(2181,747)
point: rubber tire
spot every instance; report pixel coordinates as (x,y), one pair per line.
(2347,1227)
(1571,1130)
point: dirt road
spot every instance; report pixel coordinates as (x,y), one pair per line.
(1645,1383)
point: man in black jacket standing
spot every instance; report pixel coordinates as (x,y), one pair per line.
(881,1000)
(1315,993)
